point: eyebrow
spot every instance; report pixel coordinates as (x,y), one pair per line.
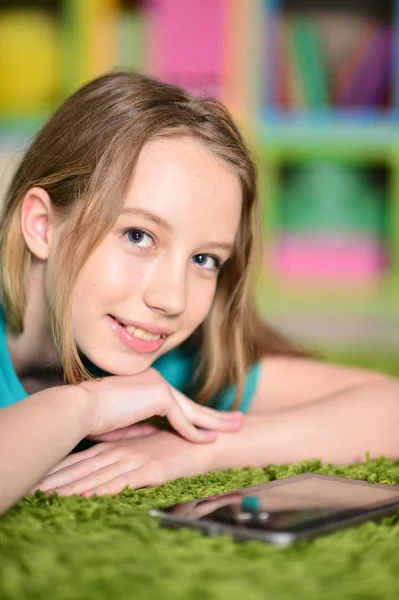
(221,246)
(162,223)
(148,215)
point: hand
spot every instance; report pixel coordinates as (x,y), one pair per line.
(119,401)
(107,468)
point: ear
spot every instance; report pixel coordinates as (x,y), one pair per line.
(37,222)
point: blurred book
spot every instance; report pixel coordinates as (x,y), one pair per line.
(93,25)
(300,77)
(366,77)
(331,225)
(308,57)
(186,45)
(131,39)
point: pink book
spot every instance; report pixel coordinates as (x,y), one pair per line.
(359,259)
(186,43)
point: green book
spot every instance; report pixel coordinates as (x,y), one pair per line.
(309,61)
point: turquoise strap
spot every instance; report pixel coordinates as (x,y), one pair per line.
(225,402)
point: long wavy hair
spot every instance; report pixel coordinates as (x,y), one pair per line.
(84,156)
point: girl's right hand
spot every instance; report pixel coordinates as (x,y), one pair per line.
(120,401)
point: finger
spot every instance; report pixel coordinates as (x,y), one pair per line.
(75,471)
(135,479)
(182,425)
(213,421)
(125,433)
(71,459)
(206,417)
(95,479)
(223,415)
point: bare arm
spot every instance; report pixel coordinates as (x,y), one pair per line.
(35,434)
(341,429)
(289,382)
(39,431)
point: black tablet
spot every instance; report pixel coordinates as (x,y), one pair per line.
(286,510)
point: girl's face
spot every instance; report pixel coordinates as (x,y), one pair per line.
(151,281)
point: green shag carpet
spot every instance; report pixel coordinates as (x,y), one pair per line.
(109,548)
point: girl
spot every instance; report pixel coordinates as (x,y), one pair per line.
(128,242)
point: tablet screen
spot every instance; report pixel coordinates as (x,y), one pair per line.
(290,503)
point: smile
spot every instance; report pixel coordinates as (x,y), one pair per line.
(142,334)
(136,338)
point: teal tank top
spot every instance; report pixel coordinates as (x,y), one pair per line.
(176,367)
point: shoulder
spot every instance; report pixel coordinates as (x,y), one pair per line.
(288,382)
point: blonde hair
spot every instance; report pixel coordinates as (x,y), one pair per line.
(84,158)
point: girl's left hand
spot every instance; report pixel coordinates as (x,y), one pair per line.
(149,460)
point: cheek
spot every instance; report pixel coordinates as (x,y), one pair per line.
(107,278)
(201,295)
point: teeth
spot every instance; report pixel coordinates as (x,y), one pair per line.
(142,334)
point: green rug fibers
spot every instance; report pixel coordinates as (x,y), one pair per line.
(105,548)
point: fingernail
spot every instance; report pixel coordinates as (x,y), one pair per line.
(210,435)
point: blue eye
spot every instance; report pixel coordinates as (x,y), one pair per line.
(207,261)
(139,238)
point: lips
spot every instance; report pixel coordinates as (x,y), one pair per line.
(138,339)
(141,329)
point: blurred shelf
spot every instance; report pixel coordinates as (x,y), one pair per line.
(22,123)
(331,135)
(340,298)
(346,320)
(18,129)
(339,334)
(331,114)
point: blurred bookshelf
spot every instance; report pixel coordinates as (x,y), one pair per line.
(315,85)
(326,134)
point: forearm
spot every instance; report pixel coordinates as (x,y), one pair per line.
(340,429)
(35,434)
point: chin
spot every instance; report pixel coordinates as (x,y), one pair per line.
(132,365)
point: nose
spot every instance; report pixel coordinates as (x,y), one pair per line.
(166,287)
